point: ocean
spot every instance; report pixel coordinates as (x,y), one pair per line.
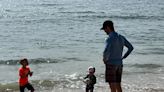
(62,38)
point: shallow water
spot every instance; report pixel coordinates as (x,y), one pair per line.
(62,38)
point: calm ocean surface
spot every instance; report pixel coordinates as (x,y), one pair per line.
(62,38)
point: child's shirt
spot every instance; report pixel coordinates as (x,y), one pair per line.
(23,76)
(92,79)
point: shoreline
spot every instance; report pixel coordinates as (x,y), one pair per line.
(103,88)
(12,88)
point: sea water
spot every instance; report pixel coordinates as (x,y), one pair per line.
(62,38)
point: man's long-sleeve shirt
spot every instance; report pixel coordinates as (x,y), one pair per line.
(114,49)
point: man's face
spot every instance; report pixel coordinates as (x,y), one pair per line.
(107,30)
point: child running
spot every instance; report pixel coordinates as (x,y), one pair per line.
(90,79)
(24,71)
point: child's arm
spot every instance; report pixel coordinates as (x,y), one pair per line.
(86,77)
(30,73)
(85,80)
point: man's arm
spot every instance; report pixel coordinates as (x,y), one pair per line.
(129,46)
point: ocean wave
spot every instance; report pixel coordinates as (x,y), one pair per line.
(41,60)
(149,66)
(33,61)
(49,4)
(151,52)
(79,12)
(123,17)
(153,89)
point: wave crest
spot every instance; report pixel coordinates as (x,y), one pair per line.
(33,61)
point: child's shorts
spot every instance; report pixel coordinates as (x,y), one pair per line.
(28,86)
(113,73)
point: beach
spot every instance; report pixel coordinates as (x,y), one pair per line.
(62,38)
(48,86)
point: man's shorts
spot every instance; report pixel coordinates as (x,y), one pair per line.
(113,73)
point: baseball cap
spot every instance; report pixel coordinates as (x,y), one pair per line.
(107,23)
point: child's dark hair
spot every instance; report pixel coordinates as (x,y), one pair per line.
(22,60)
(94,69)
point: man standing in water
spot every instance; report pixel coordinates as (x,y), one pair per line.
(112,56)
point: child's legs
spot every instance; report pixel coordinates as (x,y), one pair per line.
(86,90)
(91,90)
(30,87)
(21,88)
